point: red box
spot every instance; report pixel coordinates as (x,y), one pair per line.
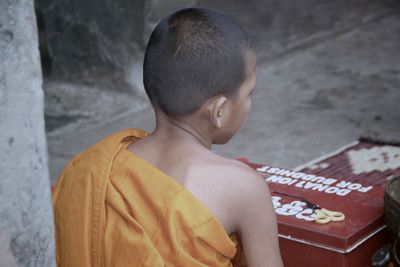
(351,180)
(304,242)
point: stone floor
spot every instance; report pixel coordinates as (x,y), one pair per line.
(328,72)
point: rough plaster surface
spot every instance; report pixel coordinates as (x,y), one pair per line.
(98,42)
(95,48)
(92,41)
(26,224)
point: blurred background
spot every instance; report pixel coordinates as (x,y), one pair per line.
(328,73)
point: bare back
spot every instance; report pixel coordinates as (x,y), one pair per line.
(235,194)
(198,170)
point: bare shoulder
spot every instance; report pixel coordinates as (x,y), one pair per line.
(219,183)
(246,188)
(241,177)
(252,213)
(231,166)
(239,185)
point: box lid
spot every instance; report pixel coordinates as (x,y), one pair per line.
(348,181)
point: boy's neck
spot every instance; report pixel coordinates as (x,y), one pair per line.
(181,130)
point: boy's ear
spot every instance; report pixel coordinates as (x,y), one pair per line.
(216,111)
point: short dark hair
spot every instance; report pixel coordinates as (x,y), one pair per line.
(192,55)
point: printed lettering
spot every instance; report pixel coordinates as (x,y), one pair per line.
(365,189)
(309,185)
(273,178)
(308,177)
(276,201)
(298,175)
(295,208)
(287,181)
(343,192)
(307,215)
(290,209)
(263,169)
(354,186)
(273,170)
(318,179)
(286,173)
(343,184)
(332,190)
(320,187)
(309,182)
(329,181)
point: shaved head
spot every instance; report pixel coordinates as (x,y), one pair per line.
(193,55)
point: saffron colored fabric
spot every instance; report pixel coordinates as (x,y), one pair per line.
(113,208)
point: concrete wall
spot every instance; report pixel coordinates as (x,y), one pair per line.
(95,48)
(26,221)
(97,41)
(91,41)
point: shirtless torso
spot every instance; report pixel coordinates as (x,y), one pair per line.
(234,193)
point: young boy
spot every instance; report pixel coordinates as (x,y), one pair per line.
(164,198)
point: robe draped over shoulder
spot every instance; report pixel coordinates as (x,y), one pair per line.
(113,208)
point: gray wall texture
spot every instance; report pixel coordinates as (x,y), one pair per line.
(98,42)
(26,221)
(93,41)
(93,50)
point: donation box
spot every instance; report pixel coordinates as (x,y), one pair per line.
(303,241)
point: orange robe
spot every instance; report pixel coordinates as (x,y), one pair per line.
(113,208)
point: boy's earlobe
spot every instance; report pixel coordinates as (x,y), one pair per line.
(219,119)
(219,122)
(216,111)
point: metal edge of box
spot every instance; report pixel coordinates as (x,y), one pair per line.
(342,251)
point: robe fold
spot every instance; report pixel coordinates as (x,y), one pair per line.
(113,208)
